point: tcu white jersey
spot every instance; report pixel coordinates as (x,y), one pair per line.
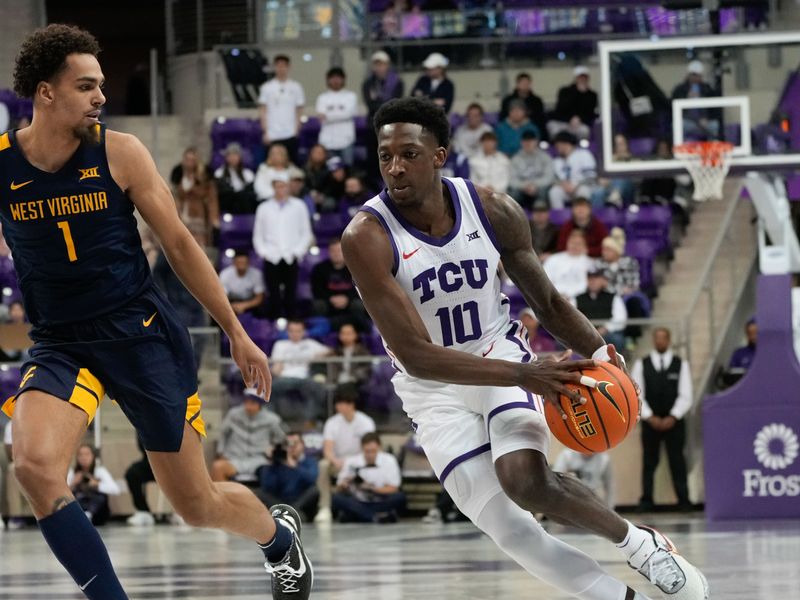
(452,281)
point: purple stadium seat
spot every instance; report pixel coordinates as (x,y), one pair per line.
(559,216)
(610,216)
(236,231)
(645,252)
(515,297)
(649,222)
(381,397)
(640,146)
(8,276)
(327,226)
(10,378)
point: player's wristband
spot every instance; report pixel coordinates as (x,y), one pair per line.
(602,354)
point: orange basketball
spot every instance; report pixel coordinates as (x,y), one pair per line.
(607,417)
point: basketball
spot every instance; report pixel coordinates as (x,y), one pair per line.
(607,417)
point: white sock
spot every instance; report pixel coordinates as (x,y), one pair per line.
(635,540)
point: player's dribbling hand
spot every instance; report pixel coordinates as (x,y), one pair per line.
(253,364)
(549,378)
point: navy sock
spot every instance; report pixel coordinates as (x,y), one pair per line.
(275,550)
(77,545)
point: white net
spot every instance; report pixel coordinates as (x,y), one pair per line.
(708,164)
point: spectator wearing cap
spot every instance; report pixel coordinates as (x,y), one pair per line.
(532,172)
(622,272)
(247,435)
(544,233)
(297,183)
(536,340)
(235,183)
(434,84)
(243,284)
(467,138)
(490,168)
(597,303)
(576,107)
(282,236)
(380,86)
(277,161)
(337,109)
(743,356)
(509,131)
(341,435)
(534,107)
(334,293)
(568,270)
(334,186)
(281,101)
(576,171)
(698,123)
(583,219)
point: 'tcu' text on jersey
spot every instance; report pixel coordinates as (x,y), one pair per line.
(452,277)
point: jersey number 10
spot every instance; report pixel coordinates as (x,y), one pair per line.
(452,322)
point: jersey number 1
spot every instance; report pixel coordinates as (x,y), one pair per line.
(64,227)
(454,326)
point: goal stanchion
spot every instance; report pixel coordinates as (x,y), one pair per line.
(708,164)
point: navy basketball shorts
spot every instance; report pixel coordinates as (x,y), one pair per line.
(139,354)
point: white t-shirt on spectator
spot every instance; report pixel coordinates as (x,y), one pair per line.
(262,182)
(568,273)
(338,130)
(579,167)
(282,99)
(5,117)
(296,356)
(386,471)
(346,435)
(244,287)
(492,170)
(467,142)
(107,484)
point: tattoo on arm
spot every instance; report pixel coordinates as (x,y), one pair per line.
(60,503)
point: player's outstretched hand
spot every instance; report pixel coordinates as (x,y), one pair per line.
(549,378)
(253,364)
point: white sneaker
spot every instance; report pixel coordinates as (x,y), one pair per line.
(141,518)
(433,517)
(177,520)
(323,516)
(675,576)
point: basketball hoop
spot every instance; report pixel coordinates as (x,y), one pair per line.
(708,164)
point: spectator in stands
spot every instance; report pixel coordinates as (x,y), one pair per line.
(623,277)
(355,195)
(666,395)
(543,233)
(297,184)
(576,107)
(532,171)
(277,162)
(659,190)
(247,436)
(341,439)
(196,197)
(235,183)
(467,138)
(337,109)
(583,219)
(743,356)
(597,303)
(490,168)
(334,294)
(334,184)
(291,478)
(282,236)
(138,475)
(5,117)
(435,84)
(348,348)
(644,106)
(316,172)
(509,131)
(4,249)
(617,191)
(92,484)
(368,486)
(456,165)
(243,283)
(698,123)
(382,84)
(594,470)
(538,342)
(568,270)
(281,103)
(291,370)
(534,107)
(576,171)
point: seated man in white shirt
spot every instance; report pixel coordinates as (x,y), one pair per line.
(368,487)
(290,366)
(576,172)
(568,270)
(341,440)
(243,283)
(490,167)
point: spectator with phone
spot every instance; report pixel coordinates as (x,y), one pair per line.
(291,478)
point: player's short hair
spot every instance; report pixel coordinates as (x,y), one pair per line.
(419,111)
(43,55)
(370,437)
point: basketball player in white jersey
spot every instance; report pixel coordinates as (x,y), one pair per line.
(424,254)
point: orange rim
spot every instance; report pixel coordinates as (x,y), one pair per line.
(710,154)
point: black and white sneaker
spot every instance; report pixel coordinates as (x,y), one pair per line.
(293,577)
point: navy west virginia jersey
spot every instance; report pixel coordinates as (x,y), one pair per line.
(72,233)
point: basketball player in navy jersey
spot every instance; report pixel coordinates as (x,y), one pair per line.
(68,190)
(425,254)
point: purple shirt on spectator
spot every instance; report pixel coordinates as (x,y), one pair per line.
(743,357)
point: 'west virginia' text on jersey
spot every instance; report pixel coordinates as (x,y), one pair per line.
(72,234)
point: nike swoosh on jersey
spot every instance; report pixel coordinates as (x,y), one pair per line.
(410,254)
(16,186)
(147,322)
(85,585)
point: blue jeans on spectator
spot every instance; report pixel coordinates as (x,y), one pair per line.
(351,509)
